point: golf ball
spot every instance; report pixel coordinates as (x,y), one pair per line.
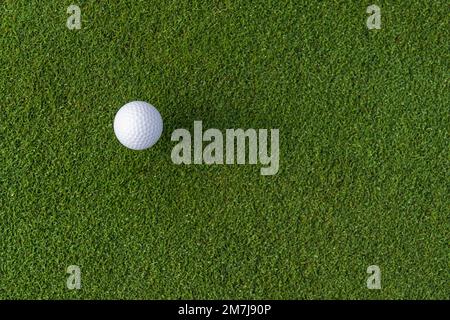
(138,125)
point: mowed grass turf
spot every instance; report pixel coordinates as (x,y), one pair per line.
(364,134)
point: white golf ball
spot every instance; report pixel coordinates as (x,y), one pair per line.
(138,125)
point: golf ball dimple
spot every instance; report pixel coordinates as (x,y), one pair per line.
(138,125)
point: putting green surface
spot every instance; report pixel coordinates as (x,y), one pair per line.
(364,150)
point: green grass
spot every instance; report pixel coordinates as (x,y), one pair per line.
(364,133)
